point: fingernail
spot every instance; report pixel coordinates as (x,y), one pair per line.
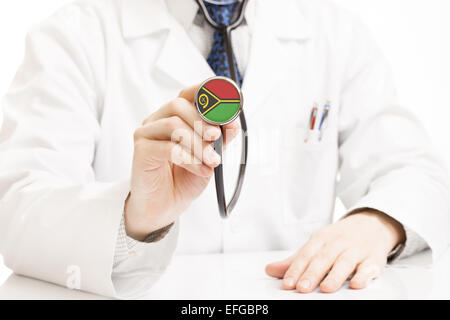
(289,282)
(212,158)
(329,284)
(212,133)
(305,284)
(361,282)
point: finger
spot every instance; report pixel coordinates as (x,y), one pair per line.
(163,151)
(344,266)
(189,93)
(230,131)
(319,267)
(184,159)
(301,261)
(279,268)
(176,130)
(366,272)
(185,110)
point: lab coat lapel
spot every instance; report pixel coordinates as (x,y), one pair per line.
(272,26)
(178,60)
(266,68)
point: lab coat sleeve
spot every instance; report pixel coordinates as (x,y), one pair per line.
(57,222)
(386,160)
(138,265)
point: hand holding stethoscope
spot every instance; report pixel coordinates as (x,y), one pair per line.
(231,92)
(164,179)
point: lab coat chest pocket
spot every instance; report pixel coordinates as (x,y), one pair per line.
(309,174)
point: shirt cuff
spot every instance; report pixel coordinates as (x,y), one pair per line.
(127,246)
(124,245)
(413,245)
(138,265)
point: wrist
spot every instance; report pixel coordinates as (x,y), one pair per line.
(393,231)
(139,222)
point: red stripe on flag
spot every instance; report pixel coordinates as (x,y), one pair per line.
(222,89)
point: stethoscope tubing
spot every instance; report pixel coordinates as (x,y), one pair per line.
(224,209)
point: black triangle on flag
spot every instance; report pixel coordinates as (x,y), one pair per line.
(206,101)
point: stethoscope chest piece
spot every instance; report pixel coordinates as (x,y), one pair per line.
(219,101)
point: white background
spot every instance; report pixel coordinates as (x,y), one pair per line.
(414,35)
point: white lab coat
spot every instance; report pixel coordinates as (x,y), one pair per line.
(96,69)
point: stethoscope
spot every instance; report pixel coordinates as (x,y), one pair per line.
(224,209)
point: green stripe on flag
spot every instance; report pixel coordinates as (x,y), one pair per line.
(223,112)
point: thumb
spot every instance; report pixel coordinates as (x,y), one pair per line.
(189,93)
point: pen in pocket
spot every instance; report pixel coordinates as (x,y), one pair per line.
(312,121)
(323,120)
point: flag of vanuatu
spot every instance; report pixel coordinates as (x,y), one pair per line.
(218,100)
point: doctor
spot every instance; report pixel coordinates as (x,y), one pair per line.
(89,180)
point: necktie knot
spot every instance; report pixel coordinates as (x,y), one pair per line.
(222,11)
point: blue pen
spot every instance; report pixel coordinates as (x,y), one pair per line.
(323,120)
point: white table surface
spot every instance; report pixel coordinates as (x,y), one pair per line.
(241,276)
